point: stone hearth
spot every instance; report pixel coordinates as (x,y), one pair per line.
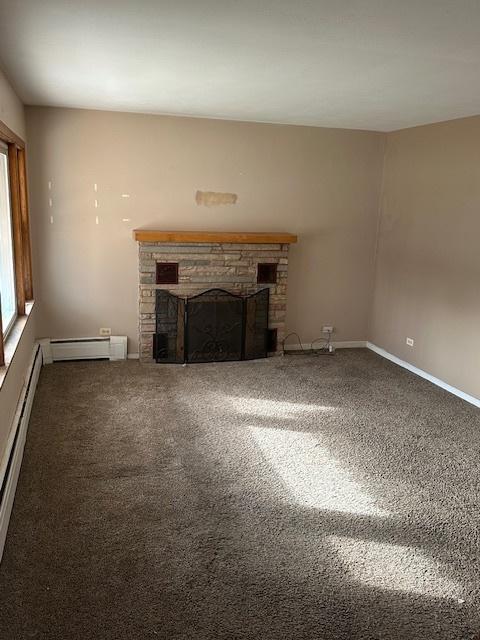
(232,266)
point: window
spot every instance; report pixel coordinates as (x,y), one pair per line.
(7,275)
(15,255)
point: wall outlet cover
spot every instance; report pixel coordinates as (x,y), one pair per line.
(105,331)
(327,328)
(410,342)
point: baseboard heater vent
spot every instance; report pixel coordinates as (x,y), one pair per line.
(12,460)
(109,348)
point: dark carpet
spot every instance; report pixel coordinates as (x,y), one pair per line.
(320,498)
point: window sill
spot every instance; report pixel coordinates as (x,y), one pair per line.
(13,340)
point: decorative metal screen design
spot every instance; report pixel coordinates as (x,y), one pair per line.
(214,330)
(213,326)
(169,339)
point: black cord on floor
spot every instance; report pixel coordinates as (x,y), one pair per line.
(311,351)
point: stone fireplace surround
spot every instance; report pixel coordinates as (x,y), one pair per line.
(209,260)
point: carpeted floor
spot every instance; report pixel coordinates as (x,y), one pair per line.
(319,498)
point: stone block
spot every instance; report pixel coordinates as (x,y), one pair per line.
(208,270)
(147,307)
(261,255)
(220,279)
(193,263)
(243,271)
(243,263)
(165,257)
(233,255)
(175,248)
(227,246)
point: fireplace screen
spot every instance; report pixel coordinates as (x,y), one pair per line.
(213,326)
(169,338)
(256,325)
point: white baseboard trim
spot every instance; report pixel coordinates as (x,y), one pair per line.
(133,356)
(348,344)
(12,459)
(424,374)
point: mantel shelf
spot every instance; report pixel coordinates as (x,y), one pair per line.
(147,235)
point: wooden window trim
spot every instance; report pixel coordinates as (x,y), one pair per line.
(9,137)
(17,227)
(20,223)
(25,226)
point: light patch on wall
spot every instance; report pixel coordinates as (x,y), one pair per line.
(215,198)
(125,195)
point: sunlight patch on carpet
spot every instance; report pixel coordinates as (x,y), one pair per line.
(313,477)
(394,567)
(274,408)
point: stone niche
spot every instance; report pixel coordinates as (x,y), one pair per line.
(185,265)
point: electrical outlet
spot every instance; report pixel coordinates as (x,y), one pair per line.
(410,342)
(105,331)
(327,329)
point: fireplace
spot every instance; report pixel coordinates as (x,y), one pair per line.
(213,326)
(211,296)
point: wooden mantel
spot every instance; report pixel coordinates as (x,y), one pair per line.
(147,235)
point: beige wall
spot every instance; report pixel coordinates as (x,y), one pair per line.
(12,114)
(322,184)
(427,284)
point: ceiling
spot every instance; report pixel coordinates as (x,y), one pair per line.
(364,64)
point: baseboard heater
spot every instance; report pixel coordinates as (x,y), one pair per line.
(109,348)
(12,460)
